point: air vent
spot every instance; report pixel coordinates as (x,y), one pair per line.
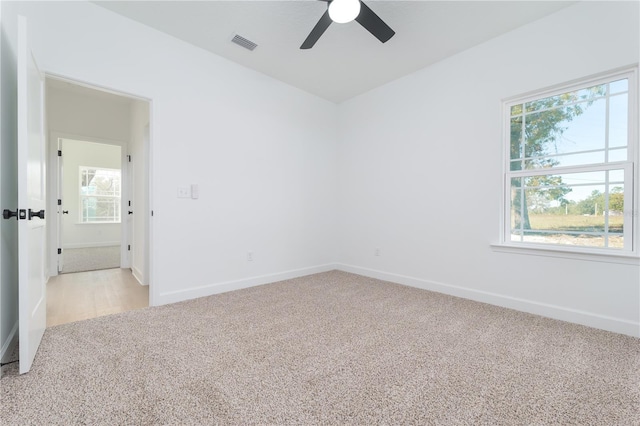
(241,41)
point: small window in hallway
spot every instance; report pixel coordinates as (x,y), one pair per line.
(100,192)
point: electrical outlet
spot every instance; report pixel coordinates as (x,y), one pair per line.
(249,256)
(376,252)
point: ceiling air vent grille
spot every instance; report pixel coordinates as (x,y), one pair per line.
(241,41)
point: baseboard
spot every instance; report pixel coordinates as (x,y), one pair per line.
(137,275)
(89,245)
(589,319)
(9,344)
(208,290)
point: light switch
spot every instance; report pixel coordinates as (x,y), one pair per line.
(184,192)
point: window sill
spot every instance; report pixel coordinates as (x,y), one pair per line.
(568,253)
(98,223)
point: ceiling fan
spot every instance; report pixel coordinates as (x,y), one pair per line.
(343,11)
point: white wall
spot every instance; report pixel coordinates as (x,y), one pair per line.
(76,154)
(8,182)
(262,152)
(421,172)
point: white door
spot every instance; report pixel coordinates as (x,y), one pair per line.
(60,207)
(32,296)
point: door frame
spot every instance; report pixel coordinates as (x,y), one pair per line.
(148,152)
(55,236)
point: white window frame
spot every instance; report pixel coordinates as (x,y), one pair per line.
(81,220)
(630,253)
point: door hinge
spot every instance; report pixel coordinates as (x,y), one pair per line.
(59,153)
(59,202)
(59,251)
(129,247)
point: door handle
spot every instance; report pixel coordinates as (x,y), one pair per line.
(65,211)
(130,212)
(8,214)
(18,214)
(39,214)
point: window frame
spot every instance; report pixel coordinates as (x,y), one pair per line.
(81,196)
(630,165)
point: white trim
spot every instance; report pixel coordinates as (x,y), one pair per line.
(95,244)
(137,275)
(9,344)
(575,253)
(221,287)
(616,325)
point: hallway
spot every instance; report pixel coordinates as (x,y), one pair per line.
(83,295)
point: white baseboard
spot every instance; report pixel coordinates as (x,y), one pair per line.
(95,244)
(137,275)
(208,290)
(616,325)
(9,344)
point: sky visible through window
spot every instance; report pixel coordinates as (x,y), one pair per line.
(588,132)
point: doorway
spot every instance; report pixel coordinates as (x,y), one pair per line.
(90,219)
(98,169)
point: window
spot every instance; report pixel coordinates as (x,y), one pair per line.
(99,195)
(571,158)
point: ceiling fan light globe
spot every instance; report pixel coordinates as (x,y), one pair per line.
(343,11)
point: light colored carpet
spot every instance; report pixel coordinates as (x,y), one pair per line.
(91,259)
(332,348)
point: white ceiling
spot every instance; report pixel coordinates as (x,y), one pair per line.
(347,60)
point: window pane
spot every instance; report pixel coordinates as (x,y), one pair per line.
(616,177)
(584,130)
(106,182)
(618,120)
(618,155)
(517,209)
(516,109)
(99,209)
(516,138)
(619,86)
(616,206)
(568,160)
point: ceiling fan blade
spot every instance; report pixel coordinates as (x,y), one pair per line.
(372,22)
(317,31)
